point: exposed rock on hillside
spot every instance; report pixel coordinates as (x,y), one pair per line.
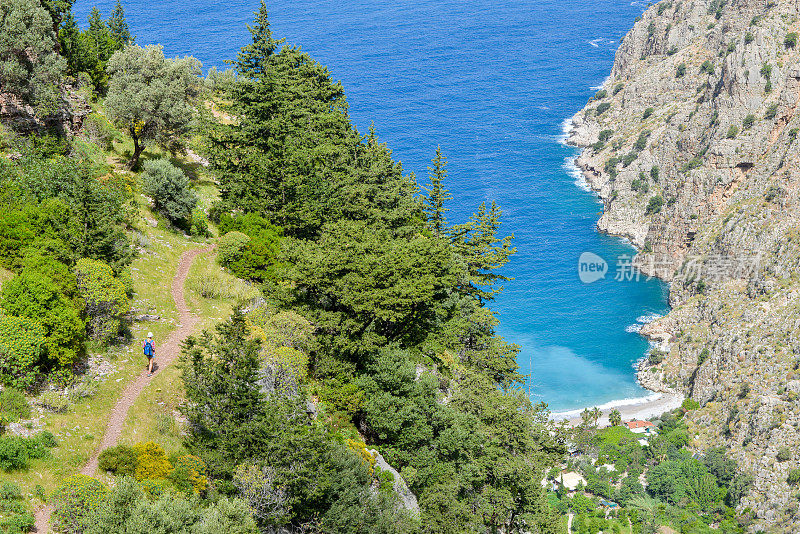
(21,118)
(692,146)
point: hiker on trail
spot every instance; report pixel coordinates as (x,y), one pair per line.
(149,351)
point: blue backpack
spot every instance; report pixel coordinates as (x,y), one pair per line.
(148,348)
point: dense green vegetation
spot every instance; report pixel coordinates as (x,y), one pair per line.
(691,492)
(362,337)
(396,295)
(59,216)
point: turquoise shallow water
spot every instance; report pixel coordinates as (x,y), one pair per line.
(492,84)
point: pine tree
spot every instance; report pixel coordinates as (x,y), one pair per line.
(438,195)
(222,371)
(118,26)
(253,59)
(101,36)
(69,36)
(477,243)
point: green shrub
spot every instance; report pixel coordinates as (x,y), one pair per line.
(766,70)
(602,108)
(794,477)
(784,454)
(605,135)
(707,67)
(654,205)
(733,131)
(105,298)
(213,283)
(13,405)
(790,41)
(257,258)
(601,94)
(14,453)
(693,163)
(772,111)
(748,38)
(53,401)
(768,87)
(690,404)
(199,224)
(23,521)
(704,354)
(672,51)
(655,357)
(189,474)
(731,47)
(680,71)
(629,158)
(617,88)
(748,121)
(169,188)
(611,166)
(647,113)
(9,491)
(654,172)
(36,296)
(120,460)
(230,247)
(640,184)
(22,349)
(74,501)
(641,141)
(99,131)
(793,134)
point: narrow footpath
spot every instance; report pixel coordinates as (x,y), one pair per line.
(166,354)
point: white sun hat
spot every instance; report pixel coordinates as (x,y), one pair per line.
(149,334)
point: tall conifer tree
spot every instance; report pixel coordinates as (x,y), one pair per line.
(253,59)
(438,195)
(476,241)
(118,26)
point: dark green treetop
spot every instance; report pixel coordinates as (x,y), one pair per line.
(252,59)
(438,195)
(118,26)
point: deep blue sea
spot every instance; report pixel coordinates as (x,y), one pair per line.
(492,83)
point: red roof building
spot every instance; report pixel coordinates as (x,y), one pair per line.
(640,427)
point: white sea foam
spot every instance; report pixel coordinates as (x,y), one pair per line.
(634,401)
(596,42)
(602,84)
(573,170)
(649,318)
(640,322)
(566,128)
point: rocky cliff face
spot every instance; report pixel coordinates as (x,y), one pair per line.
(692,146)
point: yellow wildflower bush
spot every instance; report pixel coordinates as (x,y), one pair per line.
(189,472)
(76,498)
(282,329)
(151,462)
(360,448)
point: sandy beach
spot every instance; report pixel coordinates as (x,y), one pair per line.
(644,408)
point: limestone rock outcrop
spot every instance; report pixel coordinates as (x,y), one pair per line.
(692,145)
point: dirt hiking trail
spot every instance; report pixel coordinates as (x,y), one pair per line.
(166,353)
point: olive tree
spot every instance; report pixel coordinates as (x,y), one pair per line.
(169,188)
(30,68)
(151,96)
